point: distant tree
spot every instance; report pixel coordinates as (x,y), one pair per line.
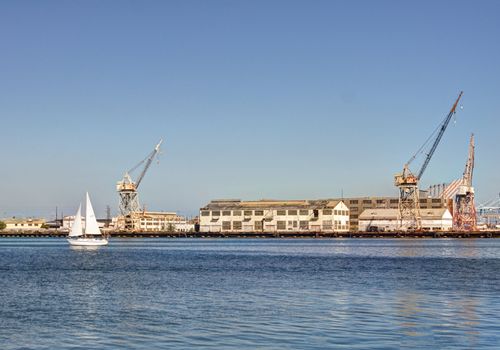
(170,228)
(2,225)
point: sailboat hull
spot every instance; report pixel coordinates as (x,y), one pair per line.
(88,242)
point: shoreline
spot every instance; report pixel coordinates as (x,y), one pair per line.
(242,235)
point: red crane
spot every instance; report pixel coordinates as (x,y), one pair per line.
(464,211)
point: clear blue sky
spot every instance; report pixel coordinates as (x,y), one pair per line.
(255,99)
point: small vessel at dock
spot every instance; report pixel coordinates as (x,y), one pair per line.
(91,236)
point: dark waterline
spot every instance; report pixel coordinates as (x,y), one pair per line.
(247,294)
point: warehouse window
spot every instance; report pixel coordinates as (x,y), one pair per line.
(226,225)
(281,212)
(304,212)
(205,213)
(216,213)
(237,225)
(247,213)
(327,225)
(327,212)
(237,213)
(226,213)
(292,212)
(259,213)
(367,201)
(304,225)
(281,225)
(436,200)
(353,201)
(258,225)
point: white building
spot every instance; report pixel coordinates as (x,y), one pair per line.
(389,220)
(150,221)
(68,221)
(274,216)
(23,224)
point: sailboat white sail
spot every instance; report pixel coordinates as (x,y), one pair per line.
(76,228)
(91,226)
(91,236)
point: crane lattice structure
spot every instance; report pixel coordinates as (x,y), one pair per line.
(127,188)
(464,213)
(407,182)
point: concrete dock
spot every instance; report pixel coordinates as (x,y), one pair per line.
(125,234)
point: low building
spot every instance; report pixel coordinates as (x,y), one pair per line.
(389,220)
(67,222)
(274,216)
(357,205)
(149,221)
(23,224)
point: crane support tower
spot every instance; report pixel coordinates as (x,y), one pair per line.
(407,182)
(464,213)
(127,188)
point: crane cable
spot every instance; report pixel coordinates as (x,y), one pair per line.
(431,136)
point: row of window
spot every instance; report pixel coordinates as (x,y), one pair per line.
(392,201)
(27,224)
(291,212)
(282,225)
(158,220)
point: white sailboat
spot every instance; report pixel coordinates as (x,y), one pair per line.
(92,235)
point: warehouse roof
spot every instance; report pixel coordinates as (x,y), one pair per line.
(270,203)
(23,220)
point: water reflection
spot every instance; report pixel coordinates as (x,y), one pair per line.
(83,248)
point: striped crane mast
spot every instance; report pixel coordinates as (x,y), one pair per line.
(464,213)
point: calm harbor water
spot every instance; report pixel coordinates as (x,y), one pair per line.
(247,294)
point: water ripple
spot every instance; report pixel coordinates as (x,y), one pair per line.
(247,294)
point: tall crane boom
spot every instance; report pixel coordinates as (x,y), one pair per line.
(149,160)
(469,166)
(438,137)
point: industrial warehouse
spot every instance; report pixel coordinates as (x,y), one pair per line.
(274,216)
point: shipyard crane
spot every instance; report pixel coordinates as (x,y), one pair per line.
(127,188)
(464,213)
(407,182)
